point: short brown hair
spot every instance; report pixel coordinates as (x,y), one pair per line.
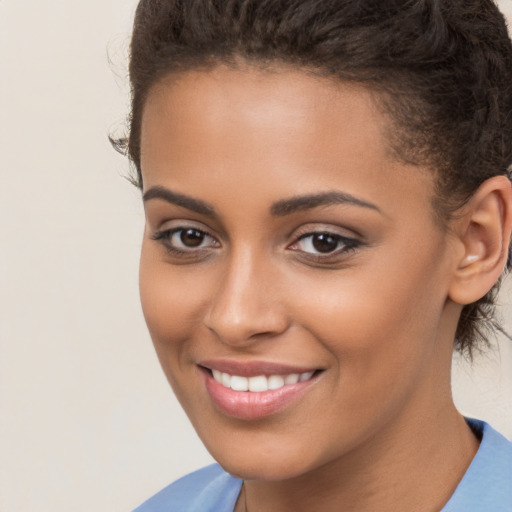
(443,69)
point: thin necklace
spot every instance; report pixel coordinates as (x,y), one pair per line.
(245,497)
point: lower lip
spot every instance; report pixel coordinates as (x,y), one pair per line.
(248,405)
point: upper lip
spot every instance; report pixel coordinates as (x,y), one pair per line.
(253,368)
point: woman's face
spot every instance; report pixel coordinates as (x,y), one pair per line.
(284,242)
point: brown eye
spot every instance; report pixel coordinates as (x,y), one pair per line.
(325,242)
(186,240)
(192,237)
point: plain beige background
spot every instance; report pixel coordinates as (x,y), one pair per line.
(87,421)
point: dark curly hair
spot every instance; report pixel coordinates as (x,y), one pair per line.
(442,70)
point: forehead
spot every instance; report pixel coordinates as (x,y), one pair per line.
(274,99)
(204,129)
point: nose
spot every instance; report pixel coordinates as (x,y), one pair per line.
(246,305)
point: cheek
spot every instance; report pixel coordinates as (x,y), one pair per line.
(380,325)
(172,301)
(359,307)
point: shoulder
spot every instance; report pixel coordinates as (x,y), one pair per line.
(210,489)
(487,484)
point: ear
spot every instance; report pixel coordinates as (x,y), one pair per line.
(483,230)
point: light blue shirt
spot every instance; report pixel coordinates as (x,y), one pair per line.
(486,486)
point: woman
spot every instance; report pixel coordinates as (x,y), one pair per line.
(328,206)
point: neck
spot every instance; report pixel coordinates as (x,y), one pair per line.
(380,476)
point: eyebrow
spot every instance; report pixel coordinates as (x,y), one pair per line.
(278,209)
(300,203)
(195,205)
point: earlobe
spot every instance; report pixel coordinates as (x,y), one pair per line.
(484,232)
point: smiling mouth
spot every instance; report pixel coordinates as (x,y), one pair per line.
(259,383)
(257,395)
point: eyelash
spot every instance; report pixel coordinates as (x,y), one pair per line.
(344,245)
(348,244)
(165,238)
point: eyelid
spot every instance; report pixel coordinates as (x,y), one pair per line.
(172,223)
(325,227)
(163,236)
(166,232)
(342,238)
(346,244)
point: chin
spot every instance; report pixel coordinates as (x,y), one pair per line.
(259,463)
(262,470)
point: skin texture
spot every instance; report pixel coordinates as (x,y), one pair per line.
(377,318)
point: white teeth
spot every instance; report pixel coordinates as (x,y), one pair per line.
(226,380)
(259,383)
(239,383)
(305,376)
(275,382)
(293,378)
